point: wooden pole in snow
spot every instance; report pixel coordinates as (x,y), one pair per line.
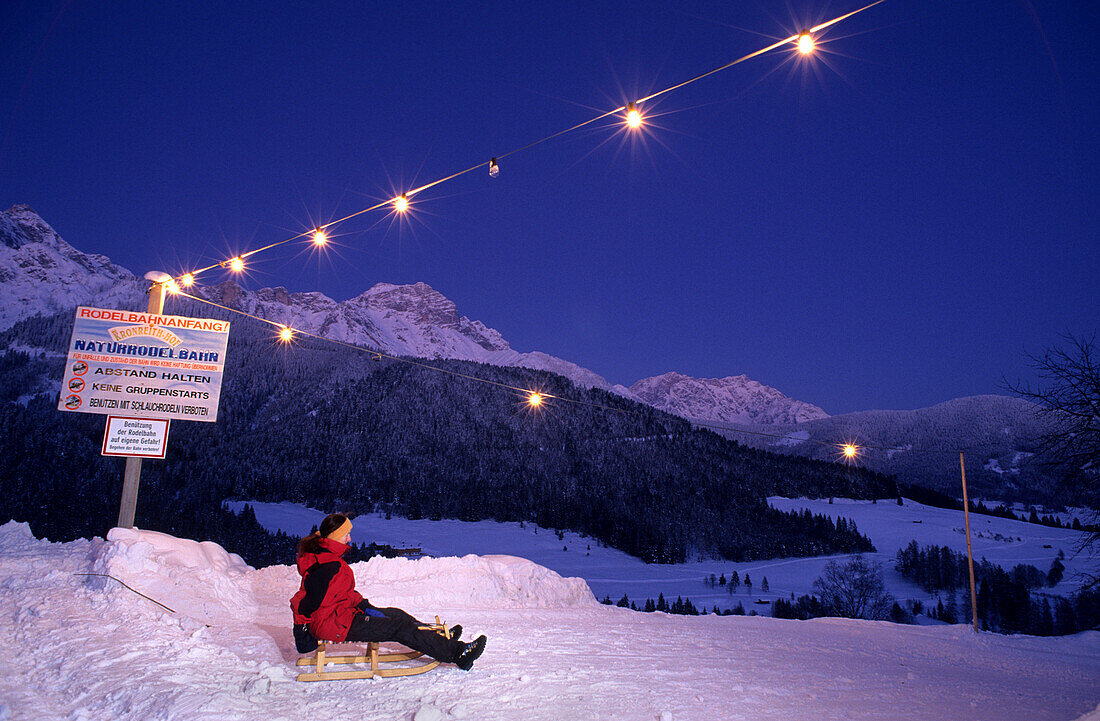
(132,475)
(969,552)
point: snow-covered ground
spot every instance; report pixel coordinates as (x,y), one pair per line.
(613,573)
(82,648)
(1002,541)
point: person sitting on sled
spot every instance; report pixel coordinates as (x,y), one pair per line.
(328,607)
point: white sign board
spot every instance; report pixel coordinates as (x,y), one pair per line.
(137,437)
(144,365)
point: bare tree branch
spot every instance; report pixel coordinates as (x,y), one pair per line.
(1068,398)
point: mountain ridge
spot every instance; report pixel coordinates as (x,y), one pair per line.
(733,399)
(41,273)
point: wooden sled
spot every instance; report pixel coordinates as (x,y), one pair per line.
(373,656)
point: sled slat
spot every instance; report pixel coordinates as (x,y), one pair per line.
(373,657)
(361,658)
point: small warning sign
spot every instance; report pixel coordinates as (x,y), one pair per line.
(137,437)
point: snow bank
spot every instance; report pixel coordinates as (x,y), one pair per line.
(428,585)
(203,581)
(485,582)
(198,579)
(16,537)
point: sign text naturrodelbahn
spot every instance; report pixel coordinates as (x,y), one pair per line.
(144,365)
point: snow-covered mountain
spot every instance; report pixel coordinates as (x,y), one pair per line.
(411,320)
(42,274)
(736,399)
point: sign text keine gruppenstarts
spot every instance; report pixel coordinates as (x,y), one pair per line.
(144,365)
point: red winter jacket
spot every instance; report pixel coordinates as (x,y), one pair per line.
(327,600)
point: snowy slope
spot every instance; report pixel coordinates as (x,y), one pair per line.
(610,572)
(98,651)
(736,399)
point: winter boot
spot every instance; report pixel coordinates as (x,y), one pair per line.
(470,653)
(456,632)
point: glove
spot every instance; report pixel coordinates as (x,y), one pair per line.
(303,639)
(369,610)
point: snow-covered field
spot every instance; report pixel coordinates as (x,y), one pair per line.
(613,573)
(1002,541)
(81,648)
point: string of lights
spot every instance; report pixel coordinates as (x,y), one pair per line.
(804,42)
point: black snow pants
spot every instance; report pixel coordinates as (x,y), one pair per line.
(396,625)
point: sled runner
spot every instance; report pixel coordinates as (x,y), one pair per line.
(374,657)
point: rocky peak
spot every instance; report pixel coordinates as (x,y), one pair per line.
(41,274)
(418,299)
(734,399)
(20,226)
(423,307)
(227,293)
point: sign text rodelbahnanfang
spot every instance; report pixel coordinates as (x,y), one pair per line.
(144,365)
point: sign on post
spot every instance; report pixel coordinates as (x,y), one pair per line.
(135,437)
(144,365)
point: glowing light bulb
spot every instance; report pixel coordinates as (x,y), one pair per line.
(237,264)
(805,42)
(401,203)
(172,287)
(188,280)
(494,169)
(534,399)
(286,334)
(633,117)
(850,451)
(319,237)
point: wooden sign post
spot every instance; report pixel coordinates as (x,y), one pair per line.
(143,369)
(132,475)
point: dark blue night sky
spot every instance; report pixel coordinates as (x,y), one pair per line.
(889,226)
